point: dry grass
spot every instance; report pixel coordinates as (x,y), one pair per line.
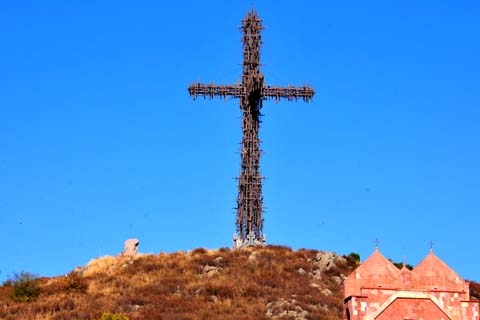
(256,283)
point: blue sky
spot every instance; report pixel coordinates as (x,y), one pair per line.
(100,141)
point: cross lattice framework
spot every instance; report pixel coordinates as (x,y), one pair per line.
(251,92)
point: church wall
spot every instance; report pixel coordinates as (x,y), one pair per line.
(376,297)
(372,300)
(412,309)
(356,308)
(470,310)
(402,296)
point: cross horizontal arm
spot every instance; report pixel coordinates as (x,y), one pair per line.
(211,90)
(290,93)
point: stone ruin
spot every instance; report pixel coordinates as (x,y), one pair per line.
(130,249)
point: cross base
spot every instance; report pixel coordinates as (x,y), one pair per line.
(249,241)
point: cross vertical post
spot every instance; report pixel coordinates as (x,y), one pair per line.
(251,92)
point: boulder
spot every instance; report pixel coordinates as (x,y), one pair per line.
(130,248)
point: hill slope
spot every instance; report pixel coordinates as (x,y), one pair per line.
(259,283)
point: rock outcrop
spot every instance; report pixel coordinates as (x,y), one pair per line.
(130,248)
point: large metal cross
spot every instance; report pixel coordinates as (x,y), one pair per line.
(251,91)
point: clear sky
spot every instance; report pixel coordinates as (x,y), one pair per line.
(100,142)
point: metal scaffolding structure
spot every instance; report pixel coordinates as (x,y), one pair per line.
(251,92)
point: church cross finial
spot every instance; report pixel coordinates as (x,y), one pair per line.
(431,243)
(376,243)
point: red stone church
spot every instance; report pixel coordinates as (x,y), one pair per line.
(431,291)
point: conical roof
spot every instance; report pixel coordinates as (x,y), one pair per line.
(376,272)
(378,267)
(434,274)
(404,279)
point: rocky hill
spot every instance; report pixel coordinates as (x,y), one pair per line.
(259,283)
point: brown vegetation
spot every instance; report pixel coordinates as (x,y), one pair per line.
(273,282)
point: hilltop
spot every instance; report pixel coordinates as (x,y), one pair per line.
(270,282)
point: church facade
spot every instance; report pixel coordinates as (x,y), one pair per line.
(378,290)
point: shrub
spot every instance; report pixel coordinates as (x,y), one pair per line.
(400,265)
(198,251)
(223,291)
(113,316)
(355,256)
(74,282)
(306,253)
(25,287)
(279,248)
